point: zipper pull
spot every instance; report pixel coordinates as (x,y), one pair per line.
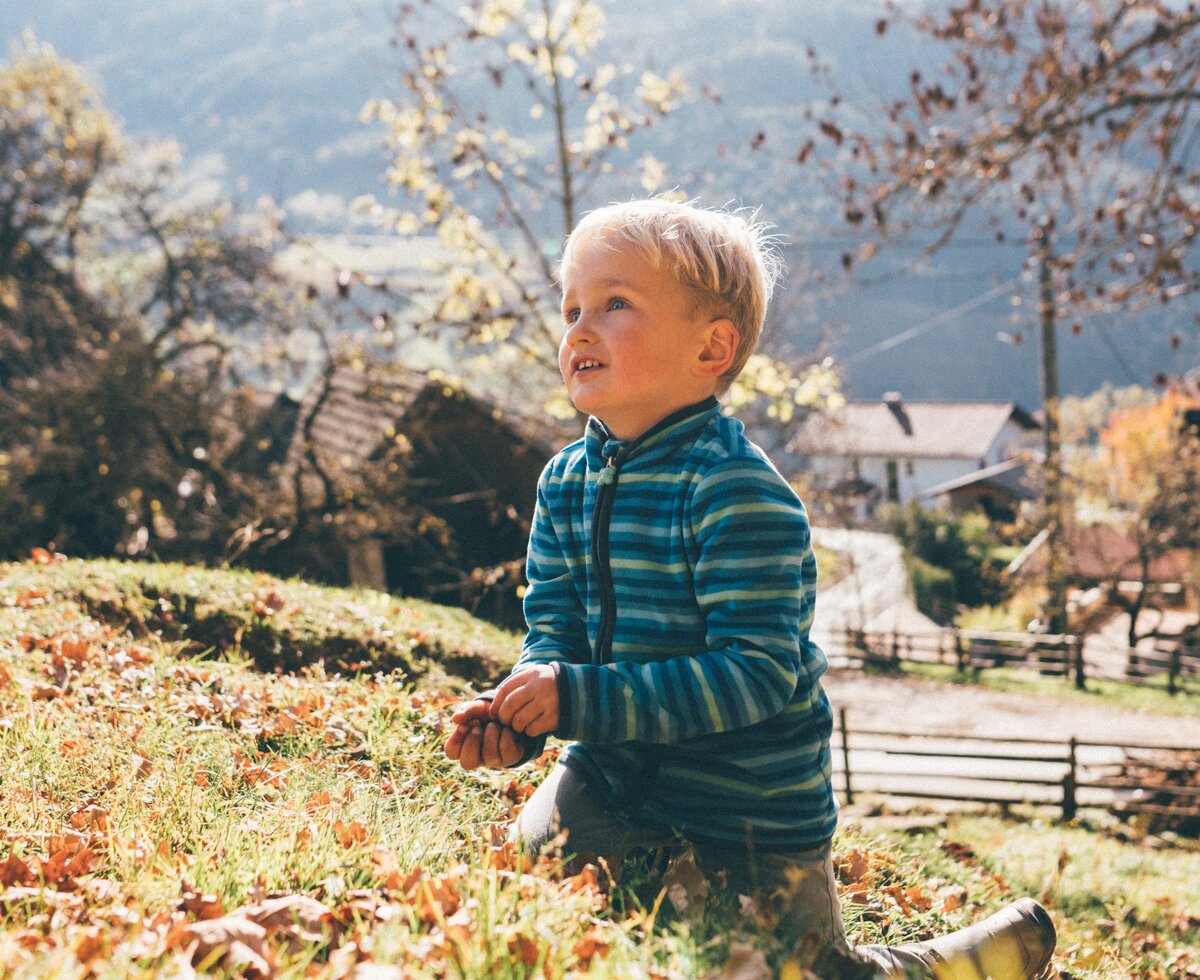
(608,475)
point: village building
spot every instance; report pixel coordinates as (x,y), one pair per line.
(959,454)
(468,470)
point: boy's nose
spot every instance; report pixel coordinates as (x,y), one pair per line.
(578,334)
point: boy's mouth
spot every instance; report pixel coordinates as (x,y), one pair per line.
(585,364)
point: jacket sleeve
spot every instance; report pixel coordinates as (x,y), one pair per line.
(554,611)
(754,578)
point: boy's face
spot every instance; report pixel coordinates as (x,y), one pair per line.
(635,349)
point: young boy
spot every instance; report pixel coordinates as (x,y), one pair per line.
(671,586)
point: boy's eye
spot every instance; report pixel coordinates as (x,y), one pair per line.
(617,304)
(570,316)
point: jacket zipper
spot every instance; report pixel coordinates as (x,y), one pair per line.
(601,517)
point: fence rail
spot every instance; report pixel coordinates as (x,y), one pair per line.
(1122,777)
(1176,669)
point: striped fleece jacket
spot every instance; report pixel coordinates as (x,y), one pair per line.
(671,586)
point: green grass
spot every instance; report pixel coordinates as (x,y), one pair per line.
(280,625)
(1151,698)
(1121,909)
(166,804)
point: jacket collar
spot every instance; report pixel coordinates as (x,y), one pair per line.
(601,445)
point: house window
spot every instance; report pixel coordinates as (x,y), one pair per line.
(893,481)
(910,467)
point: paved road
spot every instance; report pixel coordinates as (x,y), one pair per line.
(907,705)
(874,594)
(912,704)
(876,580)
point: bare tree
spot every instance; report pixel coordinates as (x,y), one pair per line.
(1080,116)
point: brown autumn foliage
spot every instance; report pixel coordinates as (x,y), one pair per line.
(1080,117)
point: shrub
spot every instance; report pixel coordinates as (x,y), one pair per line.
(964,545)
(933,589)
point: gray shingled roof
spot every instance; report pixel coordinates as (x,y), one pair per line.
(908,430)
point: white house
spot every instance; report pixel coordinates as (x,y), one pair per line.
(906,449)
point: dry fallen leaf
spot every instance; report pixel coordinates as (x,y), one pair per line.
(744,963)
(235,942)
(202,906)
(14,871)
(592,945)
(301,916)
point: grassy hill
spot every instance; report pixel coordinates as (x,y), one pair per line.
(229,773)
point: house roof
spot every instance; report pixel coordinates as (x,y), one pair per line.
(1099,552)
(353,418)
(1011,477)
(895,429)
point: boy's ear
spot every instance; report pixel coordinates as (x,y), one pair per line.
(720,349)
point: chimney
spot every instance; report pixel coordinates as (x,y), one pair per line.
(895,405)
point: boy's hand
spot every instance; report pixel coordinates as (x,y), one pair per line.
(479,741)
(528,701)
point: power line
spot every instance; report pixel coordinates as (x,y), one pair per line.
(936,321)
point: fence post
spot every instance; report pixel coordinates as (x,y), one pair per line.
(1070,783)
(959,652)
(845,752)
(1173,670)
(895,644)
(1077,657)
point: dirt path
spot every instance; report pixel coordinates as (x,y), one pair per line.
(911,704)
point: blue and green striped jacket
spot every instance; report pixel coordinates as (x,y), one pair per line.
(671,583)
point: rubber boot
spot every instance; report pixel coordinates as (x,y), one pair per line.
(1014,944)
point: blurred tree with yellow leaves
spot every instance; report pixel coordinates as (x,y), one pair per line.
(513,121)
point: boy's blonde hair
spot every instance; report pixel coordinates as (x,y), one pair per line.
(726,259)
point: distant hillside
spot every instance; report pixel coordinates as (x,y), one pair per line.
(273,89)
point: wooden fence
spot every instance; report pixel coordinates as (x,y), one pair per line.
(1176,668)
(1159,780)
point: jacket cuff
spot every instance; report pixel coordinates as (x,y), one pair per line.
(566,712)
(533,748)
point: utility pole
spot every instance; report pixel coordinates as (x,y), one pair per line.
(1056,565)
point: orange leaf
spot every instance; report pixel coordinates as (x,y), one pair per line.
(592,944)
(202,906)
(348,836)
(91,946)
(524,949)
(386,869)
(14,871)
(90,817)
(436,899)
(66,865)
(517,792)
(588,880)
(78,652)
(40,556)
(317,801)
